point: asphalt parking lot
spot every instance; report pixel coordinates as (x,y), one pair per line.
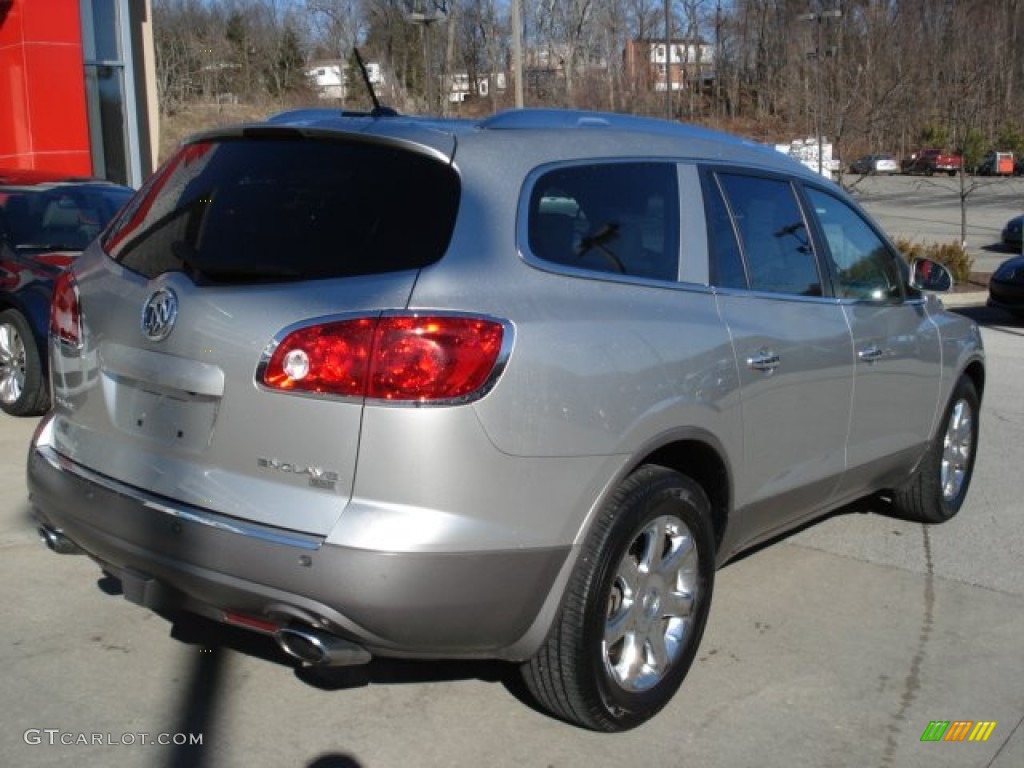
(928,210)
(836,646)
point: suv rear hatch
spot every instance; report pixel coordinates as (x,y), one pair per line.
(161,330)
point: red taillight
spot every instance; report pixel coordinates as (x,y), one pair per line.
(331,358)
(66,312)
(398,358)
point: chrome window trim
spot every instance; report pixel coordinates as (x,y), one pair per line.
(523,228)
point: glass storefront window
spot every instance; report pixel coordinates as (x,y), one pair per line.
(108,90)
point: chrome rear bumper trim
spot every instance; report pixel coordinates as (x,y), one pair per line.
(180,511)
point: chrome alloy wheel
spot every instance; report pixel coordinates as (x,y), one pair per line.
(650,605)
(957,449)
(12,364)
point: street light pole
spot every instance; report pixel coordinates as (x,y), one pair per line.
(819,54)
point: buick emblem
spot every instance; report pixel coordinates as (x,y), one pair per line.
(159,313)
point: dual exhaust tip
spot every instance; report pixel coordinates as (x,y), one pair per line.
(308,645)
(320,649)
(57,542)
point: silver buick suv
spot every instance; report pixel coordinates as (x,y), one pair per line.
(510,388)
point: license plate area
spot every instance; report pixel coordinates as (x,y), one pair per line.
(180,419)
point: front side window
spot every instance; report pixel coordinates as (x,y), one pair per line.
(776,243)
(620,218)
(864,267)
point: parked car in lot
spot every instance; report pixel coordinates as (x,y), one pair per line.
(46,219)
(996,164)
(507,388)
(931,161)
(1006,286)
(1011,234)
(875,164)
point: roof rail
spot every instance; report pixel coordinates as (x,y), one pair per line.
(540,119)
(570,118)
(316,114)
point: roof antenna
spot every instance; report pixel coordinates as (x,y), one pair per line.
(378,110)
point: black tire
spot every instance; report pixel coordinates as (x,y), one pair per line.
(939,486)
(23,387)
(583,673)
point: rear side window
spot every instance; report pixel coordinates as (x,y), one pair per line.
(269,209)
(620,218)
(776,243)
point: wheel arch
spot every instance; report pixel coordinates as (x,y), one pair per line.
(975,371)
(695,453)
(702,459)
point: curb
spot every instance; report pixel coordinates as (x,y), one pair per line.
(966,299)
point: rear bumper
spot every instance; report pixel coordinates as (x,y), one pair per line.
(170,556)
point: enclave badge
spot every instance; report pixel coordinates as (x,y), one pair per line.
(159,313)
(318,476)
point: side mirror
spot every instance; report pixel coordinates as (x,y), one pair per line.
(928,275)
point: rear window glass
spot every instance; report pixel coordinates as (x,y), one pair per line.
(269,209)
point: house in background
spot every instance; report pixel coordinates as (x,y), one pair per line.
(330,77)
(682,64)
(78,88)
(460,87)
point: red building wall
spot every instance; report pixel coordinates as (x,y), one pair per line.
(43,119)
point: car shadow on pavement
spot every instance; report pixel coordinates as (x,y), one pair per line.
(196,630)
(215,638)
(994,319)
(204,686)
(201,702)
(866,506)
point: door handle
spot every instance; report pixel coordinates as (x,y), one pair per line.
(765,361)
(870,354)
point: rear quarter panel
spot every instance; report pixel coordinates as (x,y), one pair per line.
(602,368)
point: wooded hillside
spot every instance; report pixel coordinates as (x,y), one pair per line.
(883,75)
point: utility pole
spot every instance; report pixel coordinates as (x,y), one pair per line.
(818,54)
(517,50)
(426,20)
(668,59)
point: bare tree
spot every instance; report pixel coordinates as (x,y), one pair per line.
(901,64)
